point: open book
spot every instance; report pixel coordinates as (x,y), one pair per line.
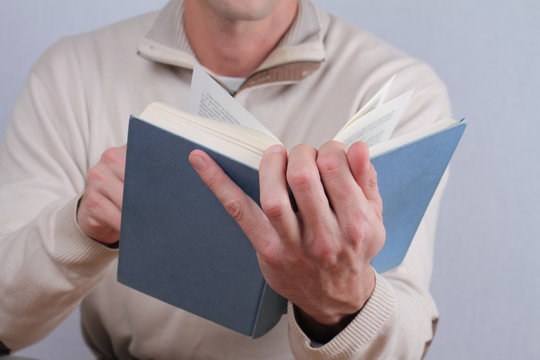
(178,244)
(224,126)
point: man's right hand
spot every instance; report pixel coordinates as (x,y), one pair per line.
(100,207)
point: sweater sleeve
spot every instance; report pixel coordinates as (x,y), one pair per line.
(400,318)
(47,264)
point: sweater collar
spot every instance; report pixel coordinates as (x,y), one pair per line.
(299,53)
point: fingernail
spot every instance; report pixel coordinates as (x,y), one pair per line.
(197,162)
(274,149)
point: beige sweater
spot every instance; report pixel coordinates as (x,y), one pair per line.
(76,104)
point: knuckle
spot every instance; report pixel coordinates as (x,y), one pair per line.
(329,163)
(324,252)
(110,156)
(273,207)
(300,177)
(235,209)
(366,236)
(94,174)
(270,254)
(93,201)
(358,230)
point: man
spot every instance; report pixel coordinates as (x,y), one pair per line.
(303,73)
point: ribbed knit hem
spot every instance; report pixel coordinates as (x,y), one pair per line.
(73,249)
(357,335)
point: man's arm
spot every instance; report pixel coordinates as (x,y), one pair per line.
(399,317)
(47,264)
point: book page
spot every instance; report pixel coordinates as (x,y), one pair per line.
(208,99)
(233,140)
(377,125)
(374,102)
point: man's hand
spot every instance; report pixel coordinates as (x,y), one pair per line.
(318,258)
(100,207)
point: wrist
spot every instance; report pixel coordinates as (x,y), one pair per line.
(111,245)
(324,327)
(319,332)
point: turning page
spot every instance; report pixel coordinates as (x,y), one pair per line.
(208,99)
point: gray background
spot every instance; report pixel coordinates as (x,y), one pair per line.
(487,277)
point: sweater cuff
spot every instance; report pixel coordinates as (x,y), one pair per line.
(357,336)
(73,249)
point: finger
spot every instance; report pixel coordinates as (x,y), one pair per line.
(275,200)
(102,178)
(240,206)
(341,188)
(364,172)
(115,159)
(106,212)
(98,217)
(305,183)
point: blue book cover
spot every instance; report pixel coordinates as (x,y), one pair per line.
(178,244)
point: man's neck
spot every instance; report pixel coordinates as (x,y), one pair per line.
(235,47)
